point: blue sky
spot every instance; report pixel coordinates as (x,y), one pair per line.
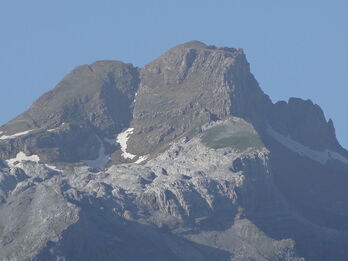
(296,48)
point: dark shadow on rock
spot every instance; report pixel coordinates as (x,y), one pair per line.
(302,204)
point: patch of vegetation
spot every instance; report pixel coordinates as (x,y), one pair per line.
(213,133)
(220,137)
(240,142)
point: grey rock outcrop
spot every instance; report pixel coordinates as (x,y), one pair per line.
(175,207)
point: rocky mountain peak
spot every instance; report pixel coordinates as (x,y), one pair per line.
(183,159)
(92,100)
(90,94)
(171,97)
(190,85)
(305,122)
(183,61)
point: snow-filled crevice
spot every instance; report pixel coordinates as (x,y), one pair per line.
(141,159)
(101,160)
(319,156)
(6,137)
(122,139)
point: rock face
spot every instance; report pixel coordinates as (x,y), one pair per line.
(188,86)
(183,159)
(304,122)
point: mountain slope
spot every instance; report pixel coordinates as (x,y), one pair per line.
(92,100)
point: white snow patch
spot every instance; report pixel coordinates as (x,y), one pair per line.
(54,129)
(21,156)
(122,139)
(316,155)
(141,159)
(102,159)
(6,137)
(52,167)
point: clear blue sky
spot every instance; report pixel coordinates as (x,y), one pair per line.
(296,48)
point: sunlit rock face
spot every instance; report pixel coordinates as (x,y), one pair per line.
(183,159)
(190,85)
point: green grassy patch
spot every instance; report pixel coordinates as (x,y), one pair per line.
(221,137)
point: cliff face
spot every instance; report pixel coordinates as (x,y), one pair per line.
(305,122)
(183,159)
(188,86)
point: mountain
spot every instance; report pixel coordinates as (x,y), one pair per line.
(183,159)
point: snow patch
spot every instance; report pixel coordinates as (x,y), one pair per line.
(6,137)
(320,156)
(101,160)
(52,167)
(21,156)
(122,139)
(141,159)
(54,129)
